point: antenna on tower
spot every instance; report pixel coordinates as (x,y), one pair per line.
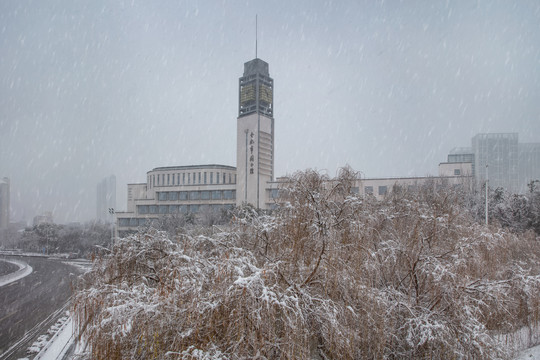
(256,36)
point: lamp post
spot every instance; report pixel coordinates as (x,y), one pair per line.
(487,196)
(111,211)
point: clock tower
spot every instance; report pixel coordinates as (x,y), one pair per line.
(255,134)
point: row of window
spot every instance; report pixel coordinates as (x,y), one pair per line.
(191,178)
(196,195)
(382,190)
(123,222)
(275,193)
(179,209)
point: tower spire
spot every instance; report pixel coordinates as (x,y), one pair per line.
(256,36)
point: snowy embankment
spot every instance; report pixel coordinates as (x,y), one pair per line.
(24,270)
(61,334)
(59,344)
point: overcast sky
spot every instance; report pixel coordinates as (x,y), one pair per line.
(93,88)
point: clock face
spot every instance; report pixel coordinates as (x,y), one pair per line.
(247,93)
(265,93)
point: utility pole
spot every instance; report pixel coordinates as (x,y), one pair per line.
(487,196)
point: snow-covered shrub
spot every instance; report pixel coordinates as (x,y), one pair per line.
(329,275)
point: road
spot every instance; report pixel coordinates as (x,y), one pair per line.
(29,306)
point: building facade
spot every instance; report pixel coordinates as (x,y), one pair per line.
(196,189)
(529,164)
(496,160)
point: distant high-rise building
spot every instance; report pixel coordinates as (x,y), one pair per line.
(529,164)
(500,158)
(106,198)
(496,158)
(255,134)
(4,203)
(45,218)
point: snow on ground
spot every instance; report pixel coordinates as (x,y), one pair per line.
(83,265)
(24,270)
(530,354)
(58,345)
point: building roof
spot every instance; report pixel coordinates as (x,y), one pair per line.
(192,167)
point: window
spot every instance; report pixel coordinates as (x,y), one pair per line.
(224,178)
(173,195)
(183,178)
(217,178)
(168,179)
(368,189)
(205,195)
(183,209)
(163,209)
(382,190)
(216,195)
(183,195)
(457,172)
(173,209)
(123,222)
(133,222)
(199,178)
(143,209)
(355,190)
(194,195)
(205,178)
(193,208)
(274,193)
(189,178)
(229,194)
(153,209)
(142,222)
(211,177)
(162,196)
(230,178)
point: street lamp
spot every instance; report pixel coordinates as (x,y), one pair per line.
(111,211)
(487,198)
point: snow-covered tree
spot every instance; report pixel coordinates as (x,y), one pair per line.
(327,275)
